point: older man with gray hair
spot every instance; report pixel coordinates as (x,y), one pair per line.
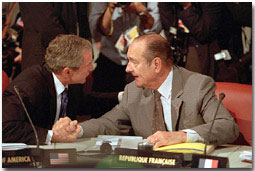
(166,104)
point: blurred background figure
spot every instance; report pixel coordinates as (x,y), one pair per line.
(115,25)
(43,21)
(241,13)
(11,39)
(205,38)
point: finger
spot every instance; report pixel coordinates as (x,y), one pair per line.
(78,130)
(73,123)
(65,120)
(160,144)
(72,126)
(150,138)
(60,130)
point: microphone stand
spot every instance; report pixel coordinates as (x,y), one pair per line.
(198,160)
(37,151)
(42,154)
(221,97)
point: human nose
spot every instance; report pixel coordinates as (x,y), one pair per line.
(129,67)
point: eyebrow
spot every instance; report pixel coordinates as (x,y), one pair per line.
(131,59)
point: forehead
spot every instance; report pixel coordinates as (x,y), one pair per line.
(87,57)
(136,50)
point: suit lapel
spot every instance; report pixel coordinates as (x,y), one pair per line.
(52,95)
(176,102)
(148,102)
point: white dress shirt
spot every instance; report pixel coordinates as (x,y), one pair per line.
(166,92)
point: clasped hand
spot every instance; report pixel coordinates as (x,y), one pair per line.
(163,138)
(65,130)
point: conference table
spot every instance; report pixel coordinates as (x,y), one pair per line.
(86,149)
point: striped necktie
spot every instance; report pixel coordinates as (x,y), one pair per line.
(158,123)
(64,101)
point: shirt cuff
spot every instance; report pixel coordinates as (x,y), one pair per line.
(192,136)
(81,133)
(49,137)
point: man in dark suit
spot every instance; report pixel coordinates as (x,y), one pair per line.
(43,21)
(68,62)
(188,102)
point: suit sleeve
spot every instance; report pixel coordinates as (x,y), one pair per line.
(224,130)
(44,19)
(108,123)
(16,127)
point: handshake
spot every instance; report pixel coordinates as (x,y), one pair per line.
(65,130)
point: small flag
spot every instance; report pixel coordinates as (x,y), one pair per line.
(208,163)
(59,158)
(180,24)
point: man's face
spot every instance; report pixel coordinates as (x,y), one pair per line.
(79,76)
(138,67)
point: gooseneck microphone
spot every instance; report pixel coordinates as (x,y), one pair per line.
(221,97)
(24,107)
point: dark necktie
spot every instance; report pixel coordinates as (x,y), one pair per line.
(64,101)
(158,123)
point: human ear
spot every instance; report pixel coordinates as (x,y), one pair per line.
(66,71)
(157,64)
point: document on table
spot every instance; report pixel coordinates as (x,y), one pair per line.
(246,155)
(129,142)
(13,146)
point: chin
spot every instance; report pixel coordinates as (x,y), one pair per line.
(138,85)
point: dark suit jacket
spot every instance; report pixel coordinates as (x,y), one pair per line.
(43,21)
(193,104)
(37,89)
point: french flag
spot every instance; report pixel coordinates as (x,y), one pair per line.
(208,163)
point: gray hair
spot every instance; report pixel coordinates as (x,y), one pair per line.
(156,46)
(66,51)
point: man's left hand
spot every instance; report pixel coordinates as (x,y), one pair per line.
(163,138)
(65,130)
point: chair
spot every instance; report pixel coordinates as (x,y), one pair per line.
(5,80)
(238,101)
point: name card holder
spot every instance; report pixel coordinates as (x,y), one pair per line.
(17,159)
(131,158)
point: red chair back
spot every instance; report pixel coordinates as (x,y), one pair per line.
(238,101)
(5,80)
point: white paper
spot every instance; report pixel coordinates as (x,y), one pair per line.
(13,146)
(130,142)
(246,155)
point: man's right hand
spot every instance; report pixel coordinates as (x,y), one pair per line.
(65,130)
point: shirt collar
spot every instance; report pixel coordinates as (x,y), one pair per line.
(166,88)
(58,85)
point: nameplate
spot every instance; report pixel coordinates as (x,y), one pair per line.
(130,158)
(17,159)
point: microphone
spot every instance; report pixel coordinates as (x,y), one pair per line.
(24,107)
(47,156)
(221,97)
